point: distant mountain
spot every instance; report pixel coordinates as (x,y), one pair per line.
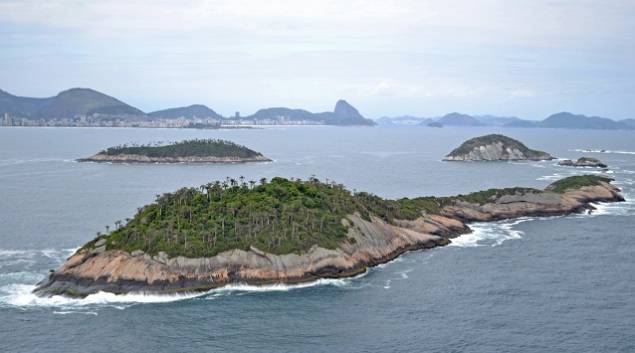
(566,120)
(451,119)
(629,122)
(66,105)
(492,120)
(346,114)
(21,106)
(458,119)
(402,120)
(189,112)
(523,123)
(342,114)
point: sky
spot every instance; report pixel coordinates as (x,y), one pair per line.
(526,58)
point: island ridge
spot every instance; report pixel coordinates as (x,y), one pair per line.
(290,231)
(189,151)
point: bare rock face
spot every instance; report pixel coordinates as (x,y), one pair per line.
(583,162)
(495,148)
(369,243)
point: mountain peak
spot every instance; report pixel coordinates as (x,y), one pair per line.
(344,109)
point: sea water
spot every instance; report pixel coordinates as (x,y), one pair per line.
(527,285)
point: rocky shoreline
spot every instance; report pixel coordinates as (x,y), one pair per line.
(135,158)
(369,243)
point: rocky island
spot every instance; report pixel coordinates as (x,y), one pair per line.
(189,151)
(289,231)
(583,162)
(495,147)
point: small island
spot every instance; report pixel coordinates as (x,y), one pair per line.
(290,231)
(495,147)
(189,151)
(434,124)
(583,162)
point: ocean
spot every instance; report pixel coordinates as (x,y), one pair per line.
(559,284)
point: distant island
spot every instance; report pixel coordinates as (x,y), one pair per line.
(189,151)
(583,162)
(495,147)
(434,124)
(563,120)
(289,231)
(79,107)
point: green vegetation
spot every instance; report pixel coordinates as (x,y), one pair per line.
(576,182)
(278,216)
(469,145)
(188,148)
(485,196)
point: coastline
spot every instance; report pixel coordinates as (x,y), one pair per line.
(375,242)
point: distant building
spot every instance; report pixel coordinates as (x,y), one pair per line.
(7,120)
(237,115)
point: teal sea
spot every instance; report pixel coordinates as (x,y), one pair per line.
(562,284)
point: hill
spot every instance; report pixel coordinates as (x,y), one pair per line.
(342,114)
(458,119)
(66,105)
(494,147)
(21,106)
(189,112)
(566,120)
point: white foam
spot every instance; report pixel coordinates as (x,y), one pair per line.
(280,287)
(75,312)
(30,253)
(603,151)
(22,295)
(489,233)
(626,208)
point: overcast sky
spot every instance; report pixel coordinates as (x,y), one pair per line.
(524,58)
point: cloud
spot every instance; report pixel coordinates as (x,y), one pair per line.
(523,93)
(447,53)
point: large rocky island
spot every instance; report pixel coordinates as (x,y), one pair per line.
(289,231)
(495,147)
(189,151)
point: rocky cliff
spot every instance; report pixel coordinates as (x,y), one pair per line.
(370,241)
(495,148)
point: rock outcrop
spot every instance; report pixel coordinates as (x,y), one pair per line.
(495,148)
(583,162)
(369,242)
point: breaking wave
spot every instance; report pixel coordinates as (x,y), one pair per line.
(587,150)
(490,233)
(21,295)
